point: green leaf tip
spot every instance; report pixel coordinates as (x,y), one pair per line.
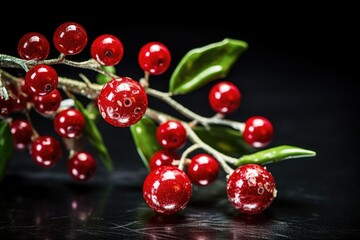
(205,64)
(275,154)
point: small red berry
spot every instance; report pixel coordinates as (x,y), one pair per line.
(49,103)
(251,188)
(70,38)
(171,135)
(33,46)
(45,151)
(163,157)
(7,106)
(154,58)
(203,169)
(81,166)
(107,50)
(167,190)
(41,79)
(22,133)
(258,131)
(122,102)
(224,97)
(69,123)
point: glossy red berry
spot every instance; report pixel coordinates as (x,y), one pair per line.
(203,169)
(167,190)
(81,166)
(49,103)
(171,135)
(41,79)
(22,133)
(107,50)
(258,131)
(122,102)
(70,38)
(33,46)
(163,157)
(69,123)
(154,58)
(224,97)
(251,188)
(45,151)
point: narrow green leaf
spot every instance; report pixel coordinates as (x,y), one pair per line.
(225,140)
(93,111)
(6,147)
(144,135)
(275,154)
(95,137)
(102,78)
(202,65)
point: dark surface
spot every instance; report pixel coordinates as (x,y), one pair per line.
(299,74)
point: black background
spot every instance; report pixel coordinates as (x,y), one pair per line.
(300,71)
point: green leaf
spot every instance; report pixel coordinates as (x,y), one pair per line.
(202,65)
(275,154)
(144,135)
(95,138)
(6,147)
(92,111)
(225,140)
(102,78)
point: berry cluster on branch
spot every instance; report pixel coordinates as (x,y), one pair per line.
(178,153)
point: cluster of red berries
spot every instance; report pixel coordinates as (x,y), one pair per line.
(122,102)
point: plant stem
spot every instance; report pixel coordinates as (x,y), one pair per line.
(166,97)
(186,153)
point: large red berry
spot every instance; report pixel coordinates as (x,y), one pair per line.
(167,190)
(33,46)
(163,157)
(69,123)
(171,135)
(45,151)
(258,131)
(81,166)
(70,38)
(49,103)
(224,97)
(203,169)
(41,79)
(251,188)
(107,50)
(122,102)
(154,58)
(22,133)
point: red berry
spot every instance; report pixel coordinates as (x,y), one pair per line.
(70,38)
(22,133)
(171,135)
(7,106)
(49,103)
(251,188)
(258,131)
(167,190)
(107,50)
(33,46)
(122,102)
(162,157)
(81,166)
(154,58)
(69,123)
(45,151)
(203,169)
(41,79)
(224,97)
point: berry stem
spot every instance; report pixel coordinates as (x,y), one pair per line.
(192,115)
(35,133)
(186,153)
